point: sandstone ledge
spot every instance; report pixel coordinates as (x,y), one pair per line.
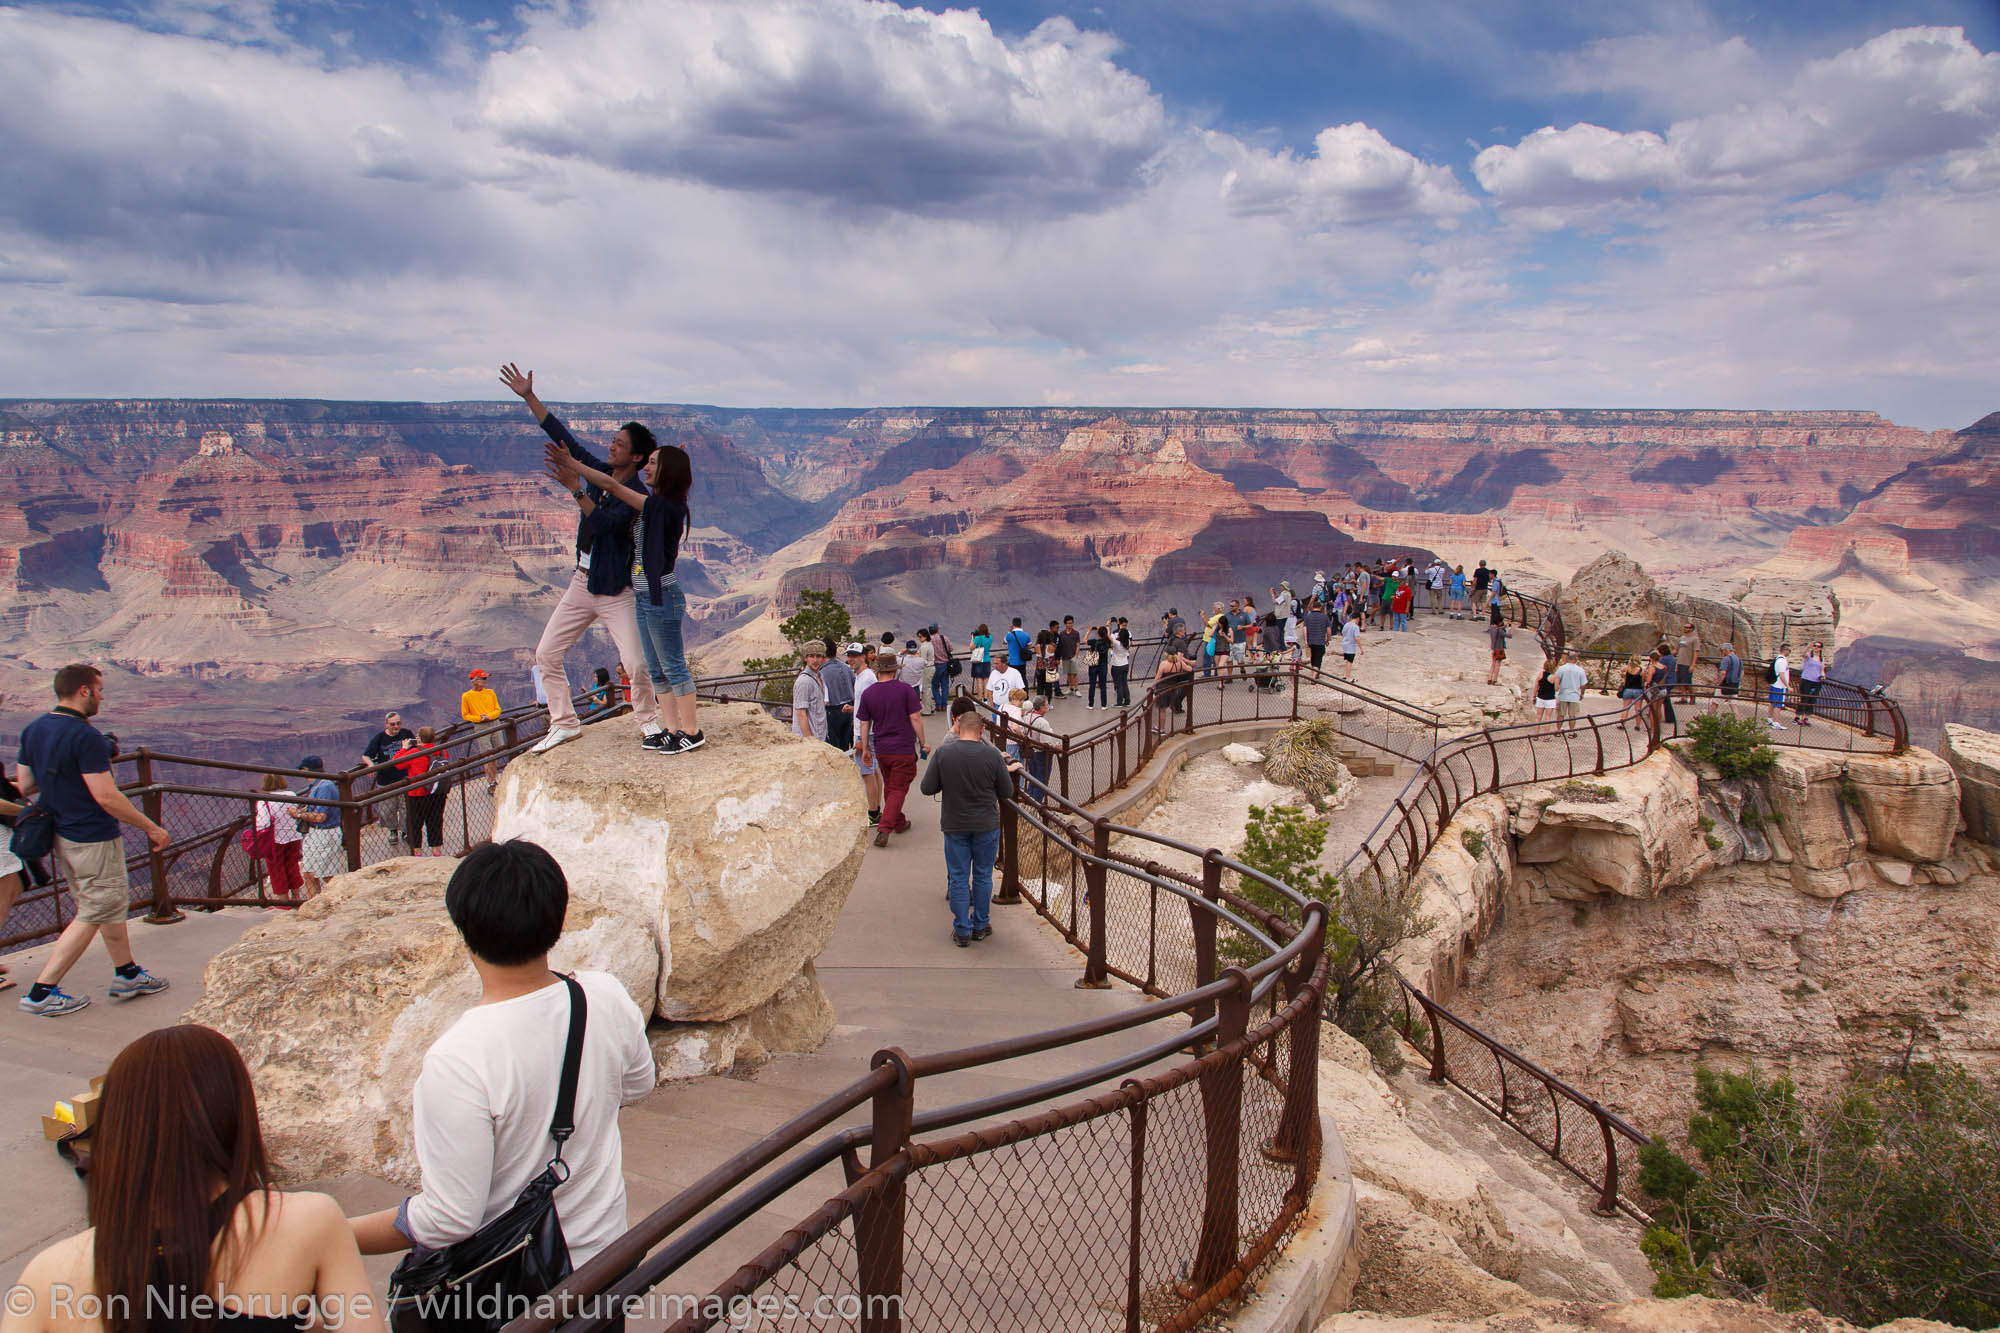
(1974,756)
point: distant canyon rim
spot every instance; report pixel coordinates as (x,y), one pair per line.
(264,577)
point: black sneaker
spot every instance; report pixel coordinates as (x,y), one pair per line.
(660,742)
(962,941)
(983,933)
(693,740)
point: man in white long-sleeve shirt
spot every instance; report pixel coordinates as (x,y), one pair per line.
(487,1092)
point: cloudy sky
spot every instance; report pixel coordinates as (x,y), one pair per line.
(1361,203)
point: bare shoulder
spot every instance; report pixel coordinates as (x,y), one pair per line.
(69,1263)
(297,1220)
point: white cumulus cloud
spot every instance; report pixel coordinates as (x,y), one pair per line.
(1353,175)
(857,101)
(1901,98)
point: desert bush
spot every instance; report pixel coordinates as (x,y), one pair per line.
(1881,1202)
(1735,746)
(1475,842)
(1306,755)
(1368,918)
(1587,793)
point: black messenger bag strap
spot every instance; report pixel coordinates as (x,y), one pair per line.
(563,1124)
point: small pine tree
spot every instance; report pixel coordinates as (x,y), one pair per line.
(819,616)
(1736,746)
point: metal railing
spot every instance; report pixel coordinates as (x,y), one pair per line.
(1587,1138)
(207,863)
(1141,1205)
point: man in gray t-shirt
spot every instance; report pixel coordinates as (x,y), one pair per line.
(809,696)
(973,778)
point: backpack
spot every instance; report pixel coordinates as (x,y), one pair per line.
(1770,673)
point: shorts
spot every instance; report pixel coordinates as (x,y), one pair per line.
(867,769)
(1239,652)
(323,856)
(1568,708)
(1728,689)
(96,872)
(1777,696)
(1630,694)
(10,864)
(1683,675)
(491,741)
(1350,656)
(1545,705)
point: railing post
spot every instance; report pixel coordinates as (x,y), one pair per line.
(1062,767)
(1295,691)
(1439,1069)
(350,822)
(1222,1114)
(1096,974)
(1203,923)
(163,912)
(1598,732)
(1135,1234)
(1294,1140)
(1607,1198)
(1010,847)
(1494,751)
(878,1223)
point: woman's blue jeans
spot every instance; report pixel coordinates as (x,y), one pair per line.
(660,637)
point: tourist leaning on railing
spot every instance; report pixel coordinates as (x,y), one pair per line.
(183,1212)
(276,834)
(323,855)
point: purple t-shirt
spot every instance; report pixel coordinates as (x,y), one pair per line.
(886,707)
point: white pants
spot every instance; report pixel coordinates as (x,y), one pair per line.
(578,610)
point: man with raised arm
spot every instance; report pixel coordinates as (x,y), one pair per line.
(600,589)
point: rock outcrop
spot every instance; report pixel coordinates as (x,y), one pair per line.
(738,865)
(706,889)
(1974,757)
(333,1006)
(1613,604)
(1815,921)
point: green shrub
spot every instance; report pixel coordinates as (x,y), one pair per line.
(1475,842)
(1881,1202)
(1850,795)
(1707,824)
(1369,917)
(819,616)
(1586,793)
(1735,746)
(1714,843)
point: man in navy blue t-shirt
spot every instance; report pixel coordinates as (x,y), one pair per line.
(66,765)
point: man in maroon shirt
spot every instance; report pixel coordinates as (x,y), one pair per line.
(889,731)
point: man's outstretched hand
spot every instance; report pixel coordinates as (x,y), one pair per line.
(560,465)
(522,385)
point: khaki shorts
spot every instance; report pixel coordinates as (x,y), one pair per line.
(96,873)
(1568,708)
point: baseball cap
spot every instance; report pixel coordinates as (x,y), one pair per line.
(475,674)
(910,646)
(314,763)
(855,650)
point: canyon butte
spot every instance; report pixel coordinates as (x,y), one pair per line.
(247,569)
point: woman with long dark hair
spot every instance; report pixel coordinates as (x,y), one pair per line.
(182,1208)
(664,520)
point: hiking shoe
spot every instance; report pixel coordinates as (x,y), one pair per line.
(55,1004)
(983,933)
(556,737)
(658,742)
(962,941)
(881,836)
(124,988)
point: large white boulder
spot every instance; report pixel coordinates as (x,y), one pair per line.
(334,1005)
(739,857)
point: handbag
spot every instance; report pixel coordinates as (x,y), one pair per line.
(261,843)
(496,1274)
(953,668)
(34,835)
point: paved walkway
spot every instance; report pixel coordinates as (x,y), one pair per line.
(894,976)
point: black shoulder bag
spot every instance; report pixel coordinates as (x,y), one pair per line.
(34,835)
(496,1274)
